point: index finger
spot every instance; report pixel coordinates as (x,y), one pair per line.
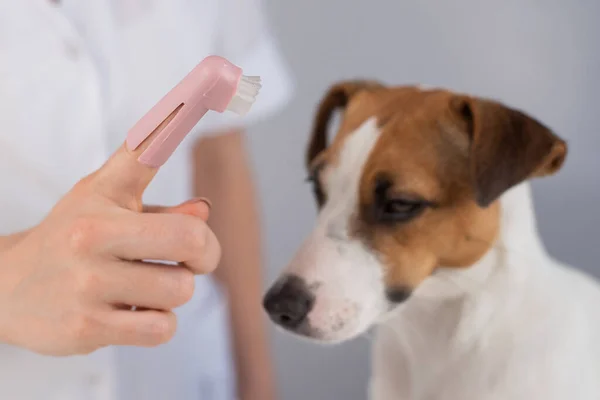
(123,178)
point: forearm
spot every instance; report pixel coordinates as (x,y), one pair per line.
(227,181)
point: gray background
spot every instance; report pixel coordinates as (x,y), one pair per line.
(542,56)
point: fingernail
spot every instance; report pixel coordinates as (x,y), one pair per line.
(199,200)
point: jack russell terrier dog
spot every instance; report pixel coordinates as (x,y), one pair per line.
(426,228)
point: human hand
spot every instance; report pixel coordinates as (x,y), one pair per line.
(67,286)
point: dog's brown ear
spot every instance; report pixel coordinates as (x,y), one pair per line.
(506,146)
(338,96)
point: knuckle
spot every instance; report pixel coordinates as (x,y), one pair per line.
(211,255)
(217,256)
(162,330)
(82,233)
(185,286)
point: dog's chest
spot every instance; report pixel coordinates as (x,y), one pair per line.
(415,367)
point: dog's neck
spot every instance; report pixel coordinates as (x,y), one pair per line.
(454,307)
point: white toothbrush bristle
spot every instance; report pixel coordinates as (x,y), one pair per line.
(247,90)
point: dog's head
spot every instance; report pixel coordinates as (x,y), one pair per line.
(410,183)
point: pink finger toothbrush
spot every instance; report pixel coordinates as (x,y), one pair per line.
(214,84)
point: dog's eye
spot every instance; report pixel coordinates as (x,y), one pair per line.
(400,210)
(395,208)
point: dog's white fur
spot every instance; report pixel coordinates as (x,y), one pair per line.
(517,325)
(346,278)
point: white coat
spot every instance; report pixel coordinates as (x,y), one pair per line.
(74,76)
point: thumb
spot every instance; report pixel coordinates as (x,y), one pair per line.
(123,178)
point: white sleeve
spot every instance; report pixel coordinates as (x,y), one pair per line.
(243,37)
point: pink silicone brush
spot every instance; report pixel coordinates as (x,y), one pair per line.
(214,84)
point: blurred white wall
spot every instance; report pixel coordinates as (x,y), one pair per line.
(542,56)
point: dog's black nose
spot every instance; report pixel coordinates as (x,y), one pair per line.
(289,303)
